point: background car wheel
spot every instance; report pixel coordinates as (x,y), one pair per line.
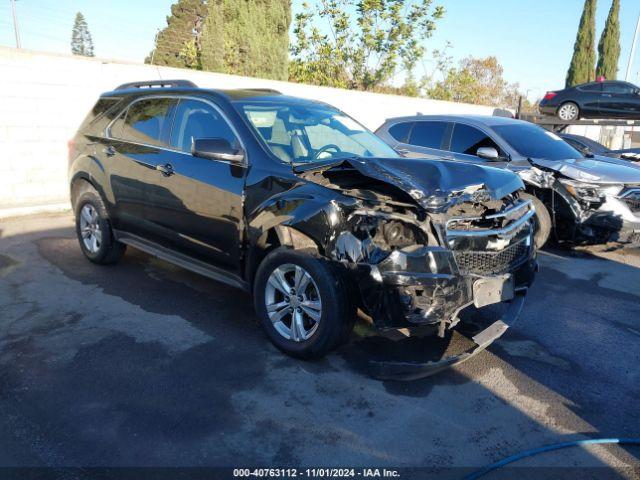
(93,228)
(542,223)
(568,112)
(302,303)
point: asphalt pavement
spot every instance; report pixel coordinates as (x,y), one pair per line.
(145,364)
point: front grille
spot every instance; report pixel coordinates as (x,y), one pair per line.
(491,263)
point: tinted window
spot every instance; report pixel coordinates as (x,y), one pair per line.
(195,119)
(400,131)
(468,140)
(428,134)
(618,88)
(534,142)
(146,121)
(592,87)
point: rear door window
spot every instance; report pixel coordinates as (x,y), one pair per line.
(146,121)
(400,131)
(197,119)
(428,134)
(467,140)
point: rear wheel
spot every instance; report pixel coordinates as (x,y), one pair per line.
(302,303)
(542,221)
(568,112)
(93,228)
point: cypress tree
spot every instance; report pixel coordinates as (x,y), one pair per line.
(81,42)
(609,46)
(582,68)
(178,44)
(247,37)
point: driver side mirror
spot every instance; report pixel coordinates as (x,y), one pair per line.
(216,149)
(488,153)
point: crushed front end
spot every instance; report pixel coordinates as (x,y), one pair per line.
(424,239)
(414,272)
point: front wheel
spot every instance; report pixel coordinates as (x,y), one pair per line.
(542,221)
(302,303)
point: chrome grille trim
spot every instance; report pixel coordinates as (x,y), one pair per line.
(500,232)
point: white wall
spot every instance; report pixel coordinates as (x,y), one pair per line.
(44,97)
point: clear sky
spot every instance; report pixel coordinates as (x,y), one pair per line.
(533,39)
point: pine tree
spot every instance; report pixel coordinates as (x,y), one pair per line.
(247,37)
(582,68)
(81,42)
(609,46)
(178,44)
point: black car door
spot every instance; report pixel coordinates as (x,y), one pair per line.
(132,149)
(465,142)
(619,100)
(196,205)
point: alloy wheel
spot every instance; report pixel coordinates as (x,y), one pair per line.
(90,228)
(293,302)
(568,112)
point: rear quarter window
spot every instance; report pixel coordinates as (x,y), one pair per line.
(100,111)
(400,131)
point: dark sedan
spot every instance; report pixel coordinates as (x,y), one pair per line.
(610,99)
(588,147)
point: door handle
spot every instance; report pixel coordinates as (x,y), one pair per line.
(109,151)
(403,151)
(166,169)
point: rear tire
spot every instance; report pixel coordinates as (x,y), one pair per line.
(568,112)
(542,223)
(303,303)
(93,228)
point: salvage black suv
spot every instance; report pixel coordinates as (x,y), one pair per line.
(294,201)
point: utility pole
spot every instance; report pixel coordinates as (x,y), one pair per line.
(15,23)
(633,50)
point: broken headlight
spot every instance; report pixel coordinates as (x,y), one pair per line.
(589,192)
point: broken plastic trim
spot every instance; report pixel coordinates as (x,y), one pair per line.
(407,371)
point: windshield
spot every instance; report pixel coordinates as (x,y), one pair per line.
(534,142)
(311,133)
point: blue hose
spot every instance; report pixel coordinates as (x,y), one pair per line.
(550,448)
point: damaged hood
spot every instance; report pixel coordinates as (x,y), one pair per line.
(600,170)
(433,184)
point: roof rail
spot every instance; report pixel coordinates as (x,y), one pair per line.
(157,84)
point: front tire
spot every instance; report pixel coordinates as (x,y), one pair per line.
(568,112)
(542,222)
(93,228)
(302,303)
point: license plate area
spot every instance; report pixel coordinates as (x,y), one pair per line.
(491,290)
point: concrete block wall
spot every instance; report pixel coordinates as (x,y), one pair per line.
(44,97)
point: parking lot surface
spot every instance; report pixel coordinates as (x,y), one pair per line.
(145,364)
